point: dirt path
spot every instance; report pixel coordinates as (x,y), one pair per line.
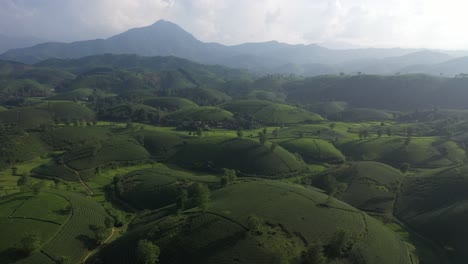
(100,246)
(80,179)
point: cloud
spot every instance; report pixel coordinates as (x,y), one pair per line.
(416,23)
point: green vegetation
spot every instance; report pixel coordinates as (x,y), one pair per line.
(313,150)
(243,155)
(271,235)
(419,152)
(169,104)
(202,113)
(271,113)
(123,159)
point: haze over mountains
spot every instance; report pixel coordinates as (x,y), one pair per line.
(164,38)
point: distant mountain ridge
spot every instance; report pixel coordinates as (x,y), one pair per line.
(10,42)
(165,38)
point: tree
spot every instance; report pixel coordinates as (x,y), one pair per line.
(30,243)
(404,167)
(407,140)
(314,254)
(147,252)
(37,188)
(379,132)
(240,134)
(389,131)
(273,146)
(262,138)
(332,126)
(100,233)
(201,195)
(253,223)
(339,244)
(275,133)
(229,176)
(199,131)
(63,260)
(182,200)
(24,182)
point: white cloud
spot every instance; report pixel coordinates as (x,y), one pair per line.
(405,23)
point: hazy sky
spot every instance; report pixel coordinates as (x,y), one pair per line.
(378,23)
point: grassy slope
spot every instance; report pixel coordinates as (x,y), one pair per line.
(244,155)
(201,113)
(289,215)
(169,103)
(61,232)
(421,152)
(435,203)
(372,186)
(271,113)
(313,150)
(159,186)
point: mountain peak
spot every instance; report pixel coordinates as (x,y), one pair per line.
(162,22)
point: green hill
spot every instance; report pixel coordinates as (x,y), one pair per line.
(271,113)
(371,186)
(313,150)
(202,113)
(116,149)
(204,96)
(327,109)
(46,113)
(158,187)
(136,112)
(61,221)
(263,222)
(244,155)
(78,94)
(169,104)
(361,114)
(161,144)
(435,203)
(18,148)
(420,152)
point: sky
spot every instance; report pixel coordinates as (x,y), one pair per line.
(358,23)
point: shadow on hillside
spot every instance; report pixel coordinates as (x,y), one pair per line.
(88,242)
(11,255)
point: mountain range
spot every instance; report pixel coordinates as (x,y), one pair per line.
(165,38)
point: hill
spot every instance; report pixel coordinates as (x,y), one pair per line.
(370,186)
(201,113)
(398,92)
(61,221)
(169,104)
(244,155)
(159,187)
(313,150)
(271,113)
(258,228)
(46,113)
(420,152)
(434,202)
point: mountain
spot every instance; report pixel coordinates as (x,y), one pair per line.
(9,42)
(448,68)
(165,38)
(392,65)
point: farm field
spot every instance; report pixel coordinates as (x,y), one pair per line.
(128,159)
